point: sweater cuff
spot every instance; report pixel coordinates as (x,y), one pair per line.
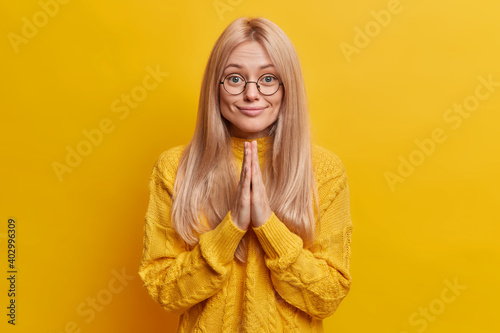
(277,240)
(218,245)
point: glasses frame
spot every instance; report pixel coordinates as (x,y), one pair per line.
(247,82)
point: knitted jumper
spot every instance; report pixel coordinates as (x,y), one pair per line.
(282,287)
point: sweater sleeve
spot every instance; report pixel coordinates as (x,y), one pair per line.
(317,279)
(176,277)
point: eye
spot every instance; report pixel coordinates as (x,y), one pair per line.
(268,80)
(234,79)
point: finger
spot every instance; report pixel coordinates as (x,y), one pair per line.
(259,171)
(248,160)
(255,160)
(243,193)
(241,182)
(244,159)
(247,167)
(257,180)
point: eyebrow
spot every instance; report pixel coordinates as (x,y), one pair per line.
(240,67)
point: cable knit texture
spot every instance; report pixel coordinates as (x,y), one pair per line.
(283,287)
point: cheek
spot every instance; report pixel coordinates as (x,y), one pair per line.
(277,100)
(222,98)
(225,100)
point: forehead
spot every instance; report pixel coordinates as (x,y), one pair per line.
(249,55)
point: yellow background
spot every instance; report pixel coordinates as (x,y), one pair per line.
(410,241)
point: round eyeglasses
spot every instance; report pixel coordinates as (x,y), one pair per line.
(235,84)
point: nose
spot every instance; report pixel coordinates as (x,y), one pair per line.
(251,92)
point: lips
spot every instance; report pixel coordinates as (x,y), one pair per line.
(252,111)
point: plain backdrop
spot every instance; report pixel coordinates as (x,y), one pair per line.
(406,93)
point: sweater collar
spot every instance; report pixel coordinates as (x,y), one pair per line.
(262,145)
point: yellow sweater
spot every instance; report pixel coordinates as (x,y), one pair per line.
(282,287)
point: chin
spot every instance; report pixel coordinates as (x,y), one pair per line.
(253,130)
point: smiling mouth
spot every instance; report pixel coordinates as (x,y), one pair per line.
(252,108)
(252,111)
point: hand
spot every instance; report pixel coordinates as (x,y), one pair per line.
(252,204)
(240,212)
(260,210)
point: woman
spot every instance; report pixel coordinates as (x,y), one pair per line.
(248,226)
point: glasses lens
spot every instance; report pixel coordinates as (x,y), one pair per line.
(234,83)
(268,84)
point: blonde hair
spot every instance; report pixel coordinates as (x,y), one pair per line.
(207,178)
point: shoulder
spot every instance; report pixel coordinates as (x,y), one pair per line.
(169,159)
(167,163)
(327,167)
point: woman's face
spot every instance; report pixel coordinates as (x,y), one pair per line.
(250,113)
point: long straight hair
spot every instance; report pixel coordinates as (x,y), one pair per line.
(207,179)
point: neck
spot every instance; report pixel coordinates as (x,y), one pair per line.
(263,143)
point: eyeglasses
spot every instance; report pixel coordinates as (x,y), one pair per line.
(235,84)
